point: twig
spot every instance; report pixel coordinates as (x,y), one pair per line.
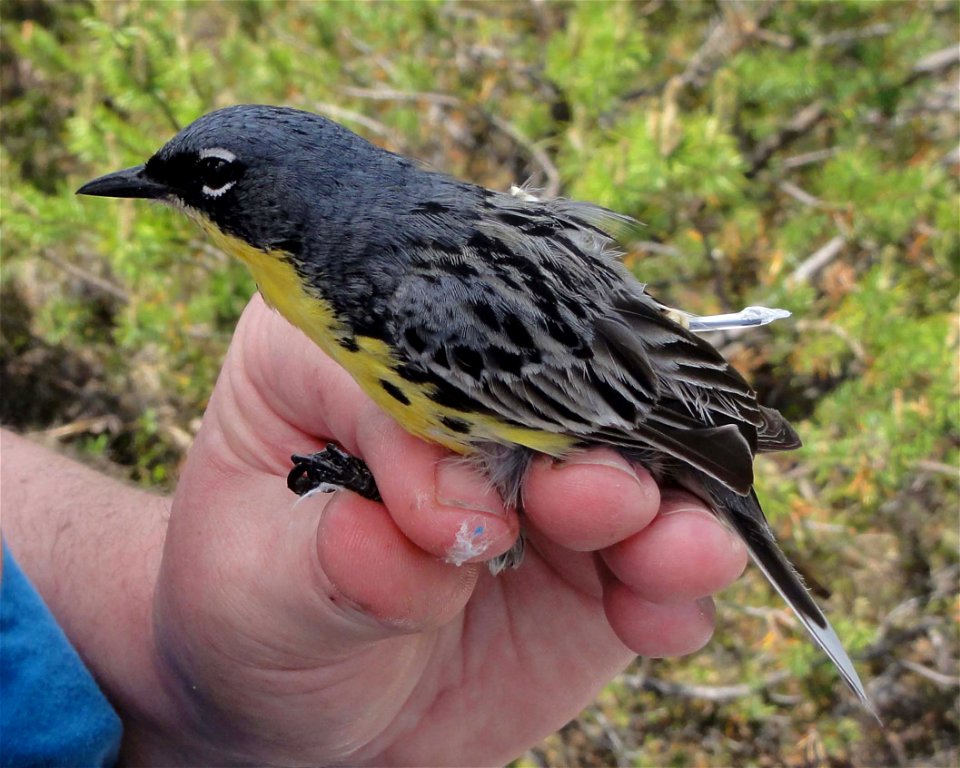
(936,62)
(766,613)
(725,37)
(374,126)
(825,325)
(951,158)
(94,424)
(537,154)
(785,42)
(552,188)
(847,36)
(705,692)
(661,249)
(938,467)
(370,52)
(98,283)
(809,158)
(797,126)
(616,743)
(389,94)
(802,196)
(809,268)
(938,678)
(895,742)
(720,41)
(890,640)
(650,7)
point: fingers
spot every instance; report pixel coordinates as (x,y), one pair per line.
(657,582)
(660,560)
(650,629)
(446,509)
(591,500)
(684,554)
(373,567)
(393,561)
(278,394)
(443,505)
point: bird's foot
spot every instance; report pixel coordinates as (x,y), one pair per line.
(331,469)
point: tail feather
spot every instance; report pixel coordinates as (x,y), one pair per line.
(744,514)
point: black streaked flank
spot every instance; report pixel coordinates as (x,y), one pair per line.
(459,267)
(450,396)
(440,357)
(563,411)
(468,360)
(486,314)
(349,343)
(562,333)
(291,245)
(414,373)
(455,425)
(514,219)
(415,340)
(394,391)
(431,207)
(508,362)
(582,352)
(487,245)
(625,409)
(517,332)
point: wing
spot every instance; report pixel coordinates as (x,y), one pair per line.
(533,321)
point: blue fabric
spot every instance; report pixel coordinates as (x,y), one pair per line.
(51,711)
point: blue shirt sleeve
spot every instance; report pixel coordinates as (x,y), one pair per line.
(51,711)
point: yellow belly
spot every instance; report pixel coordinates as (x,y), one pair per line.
(372,363)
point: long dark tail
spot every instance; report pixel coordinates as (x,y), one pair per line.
(744,515)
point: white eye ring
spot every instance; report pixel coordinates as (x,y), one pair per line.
(218,191)
(221,154)
(224,154)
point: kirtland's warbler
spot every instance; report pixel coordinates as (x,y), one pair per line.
(497,325)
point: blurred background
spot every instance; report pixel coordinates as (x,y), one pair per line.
(793,154)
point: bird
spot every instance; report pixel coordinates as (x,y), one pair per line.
(495,324)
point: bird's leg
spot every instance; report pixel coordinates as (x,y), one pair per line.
(331,469)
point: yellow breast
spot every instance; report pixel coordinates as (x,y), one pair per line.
(371,362)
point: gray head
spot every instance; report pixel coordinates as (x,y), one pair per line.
(257,172)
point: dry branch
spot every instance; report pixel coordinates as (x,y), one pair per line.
(99,284)
(798,125)
(819,259)
(705,692)
(539,157)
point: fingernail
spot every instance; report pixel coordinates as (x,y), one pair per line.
(459,486)
(472,541)
(601,459)
(691,509)
(736,543)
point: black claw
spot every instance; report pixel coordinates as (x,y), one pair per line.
(335,467)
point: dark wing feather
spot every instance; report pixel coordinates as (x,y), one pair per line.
(744,515)
(776,433)
(535,320)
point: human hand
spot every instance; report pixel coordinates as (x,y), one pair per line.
(332,630)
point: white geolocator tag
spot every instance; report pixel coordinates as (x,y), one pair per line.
(745,318)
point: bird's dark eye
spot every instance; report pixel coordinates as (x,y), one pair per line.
(217,171)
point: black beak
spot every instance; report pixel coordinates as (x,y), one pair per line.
(130,182)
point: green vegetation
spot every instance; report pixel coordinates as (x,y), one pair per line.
(795,154)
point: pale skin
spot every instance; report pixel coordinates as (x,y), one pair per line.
(230,623)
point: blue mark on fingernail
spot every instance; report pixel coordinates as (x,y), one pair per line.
(478,530)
